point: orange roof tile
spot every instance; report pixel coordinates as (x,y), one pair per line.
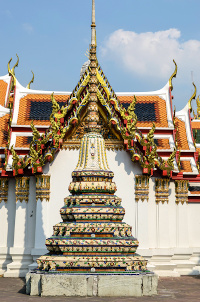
(162,143)
(25,105)
(3,90)
(195,192)
(4,130)
(22,142)
(160,109)
(195,125)
(182,137)
(186,166)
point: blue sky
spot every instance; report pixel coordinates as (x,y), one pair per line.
(137,41)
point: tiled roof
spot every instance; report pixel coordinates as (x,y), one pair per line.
(186,166)
(162,143)
(37,107)
(3,90)
(195,125)
(4,130)
(156,111)
(23,141)
(182,136)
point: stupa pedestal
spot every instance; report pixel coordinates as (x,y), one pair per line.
(88,285)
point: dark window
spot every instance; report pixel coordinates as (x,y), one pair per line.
(2,161)
(145,111)
(156,141)
(193,189)
(42,110)
(29,139)
(181,166)
(125,105)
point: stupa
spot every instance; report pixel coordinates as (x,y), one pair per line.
(92,240)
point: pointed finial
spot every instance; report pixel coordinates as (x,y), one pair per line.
(93,25)
(173,76)
(32,80)
(192,97)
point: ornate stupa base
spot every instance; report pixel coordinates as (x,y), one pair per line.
(88,285)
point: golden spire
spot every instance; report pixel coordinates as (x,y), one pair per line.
(92,111)
(93,25)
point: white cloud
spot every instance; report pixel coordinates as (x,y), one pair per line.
(27,27)
(150,54)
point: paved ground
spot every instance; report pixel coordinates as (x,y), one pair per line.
(169,289)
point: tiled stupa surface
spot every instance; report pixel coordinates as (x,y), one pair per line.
(92,236)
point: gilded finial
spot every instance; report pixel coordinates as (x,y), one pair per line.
(12,71)
(93,25)
(192,97)
(173,76)
(32,80)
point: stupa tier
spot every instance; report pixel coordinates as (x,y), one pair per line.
(92,236)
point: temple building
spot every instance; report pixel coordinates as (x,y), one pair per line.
(95,141)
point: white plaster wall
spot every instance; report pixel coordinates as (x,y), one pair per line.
(7,225)
(7,218)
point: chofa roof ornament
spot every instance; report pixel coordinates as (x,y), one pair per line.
(12,71)
(192,97)
(173,76)
(32,80)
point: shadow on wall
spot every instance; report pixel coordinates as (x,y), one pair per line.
(124,158)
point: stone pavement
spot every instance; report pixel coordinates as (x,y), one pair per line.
(186,288)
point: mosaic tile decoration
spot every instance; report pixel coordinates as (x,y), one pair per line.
(92,237)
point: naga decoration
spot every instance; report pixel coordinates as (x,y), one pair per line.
(173,76)
(130,132)
(12,71)
(32,80)
(192,98)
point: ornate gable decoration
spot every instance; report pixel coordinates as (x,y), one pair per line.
(120,124)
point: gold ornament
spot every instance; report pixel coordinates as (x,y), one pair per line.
(22,189)
(42,187)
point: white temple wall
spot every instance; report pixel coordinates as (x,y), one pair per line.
(168,234)
(24,235)
(7,226)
